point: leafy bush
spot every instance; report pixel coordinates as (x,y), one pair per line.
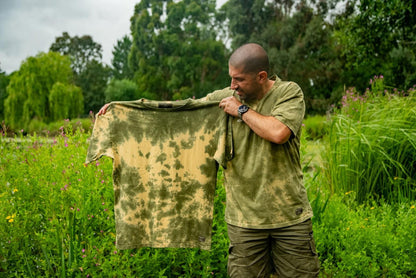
(316,127)
(375,240)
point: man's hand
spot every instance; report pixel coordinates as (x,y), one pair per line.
(267,127)
(103,109)
(230,105)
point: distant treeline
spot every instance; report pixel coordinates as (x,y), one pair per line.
(180,49)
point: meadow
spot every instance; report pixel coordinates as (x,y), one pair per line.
(58,220)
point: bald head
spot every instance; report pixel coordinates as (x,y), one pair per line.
(251,57)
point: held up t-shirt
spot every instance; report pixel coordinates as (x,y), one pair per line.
(165,160)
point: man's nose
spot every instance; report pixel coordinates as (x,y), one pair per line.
(234,85)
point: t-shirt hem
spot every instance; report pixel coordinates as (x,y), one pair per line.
(269,225)
(171,245)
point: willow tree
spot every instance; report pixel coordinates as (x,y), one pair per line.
(65,101)
(175,53)
(29,88)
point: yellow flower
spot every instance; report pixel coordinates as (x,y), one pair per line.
(11,220)
(395,178)
(8,217)
(372,208)
(15,190)
(412,207)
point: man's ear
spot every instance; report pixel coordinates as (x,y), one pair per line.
(262,76)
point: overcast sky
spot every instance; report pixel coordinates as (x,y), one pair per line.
(28,27)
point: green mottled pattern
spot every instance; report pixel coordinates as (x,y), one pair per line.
(264,182)
(165,157)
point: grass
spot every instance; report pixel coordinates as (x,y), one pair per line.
(372,145)
(58,221)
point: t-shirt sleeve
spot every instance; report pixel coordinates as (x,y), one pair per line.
(100,141)
(290,108)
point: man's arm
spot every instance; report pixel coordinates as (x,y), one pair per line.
(267,127)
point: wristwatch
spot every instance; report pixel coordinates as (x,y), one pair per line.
(241,110)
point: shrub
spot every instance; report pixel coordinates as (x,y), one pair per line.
(316,127)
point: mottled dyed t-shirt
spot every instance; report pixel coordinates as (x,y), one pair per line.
(264,182)
(165,160)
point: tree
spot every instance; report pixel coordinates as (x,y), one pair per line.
(29,88)
(89,72)
(122,90)
(81,50)
(175,53)
(4,81)
(378,37)
(65,101)
(93,82)
(121,69)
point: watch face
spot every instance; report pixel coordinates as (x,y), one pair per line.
(243,109)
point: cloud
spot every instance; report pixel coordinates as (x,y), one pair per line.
(28,27)
(31,26)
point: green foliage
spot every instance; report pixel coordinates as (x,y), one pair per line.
(175,54)
(372,144)
(58,220)
(89,73)
(121,90)
(316,126)
(81,50)
(378,38)
(65,101)
(29,88)
(4,82)
(121,68)
(375,240)
(93,82)
(58,217)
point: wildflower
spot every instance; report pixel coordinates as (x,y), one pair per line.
(10,218)
(372,208)
(15,190)
(395,178)
(412,207)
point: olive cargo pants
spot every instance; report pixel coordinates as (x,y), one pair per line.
(288,252)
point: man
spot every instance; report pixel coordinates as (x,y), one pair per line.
(267,210)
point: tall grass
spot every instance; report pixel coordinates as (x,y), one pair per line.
(372,144)
(58,220)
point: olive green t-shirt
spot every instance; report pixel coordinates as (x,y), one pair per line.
(264,181)
(165,160)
